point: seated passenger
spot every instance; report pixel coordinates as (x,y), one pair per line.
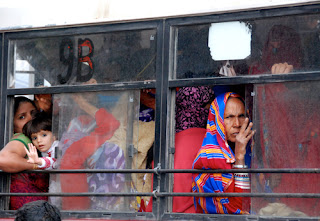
(80,146)
(83,146)
(281,110)
(144,134)
(226,145)
(192,108)
(191,116)
(289,137)
(283,46)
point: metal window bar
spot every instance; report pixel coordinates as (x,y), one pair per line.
(158,171)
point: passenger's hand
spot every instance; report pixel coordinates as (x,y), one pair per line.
(84,101)
(85,105)
(281,68)
(227,70)
(149,91)
(242,139)
(147,98)
(91,81)
(44,102)
(32,154)
(80,100)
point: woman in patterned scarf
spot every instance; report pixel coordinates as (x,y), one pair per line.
(225,146)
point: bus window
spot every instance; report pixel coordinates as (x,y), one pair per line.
(290,39)
(101,130)
(287,122)
(110,57)
(192,108)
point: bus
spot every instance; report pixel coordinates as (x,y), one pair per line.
(156,73)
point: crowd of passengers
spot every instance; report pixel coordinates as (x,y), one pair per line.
(212,124)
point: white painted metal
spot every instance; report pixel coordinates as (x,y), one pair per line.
(20,14)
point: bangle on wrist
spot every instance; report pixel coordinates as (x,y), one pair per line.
(238,166)
(35,166)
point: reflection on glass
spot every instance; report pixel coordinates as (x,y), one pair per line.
(288,130)
(95,132)
(288,39)
(104,130)
(111,57)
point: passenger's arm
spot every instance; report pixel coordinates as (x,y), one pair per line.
(12,158)
(44,163)
(85,105)
(242,185)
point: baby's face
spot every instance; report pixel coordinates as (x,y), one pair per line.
(42,140)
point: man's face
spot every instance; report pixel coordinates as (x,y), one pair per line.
(42,140)
(234,116)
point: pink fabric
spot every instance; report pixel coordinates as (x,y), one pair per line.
(190,107)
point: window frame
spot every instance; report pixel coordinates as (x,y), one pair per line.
(164,85)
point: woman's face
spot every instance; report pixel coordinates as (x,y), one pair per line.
(234,116)
(22,116)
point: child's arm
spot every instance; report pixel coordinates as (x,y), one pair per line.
(43,163)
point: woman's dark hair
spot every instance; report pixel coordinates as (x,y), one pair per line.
(21,99)
(40,121)
(38,211)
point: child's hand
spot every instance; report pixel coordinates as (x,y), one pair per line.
(32,154)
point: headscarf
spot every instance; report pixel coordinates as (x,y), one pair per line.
(215,153)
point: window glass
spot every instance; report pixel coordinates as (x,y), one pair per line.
(69,60)
(192,107)
(101,130)
(287,121)
(203,50)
